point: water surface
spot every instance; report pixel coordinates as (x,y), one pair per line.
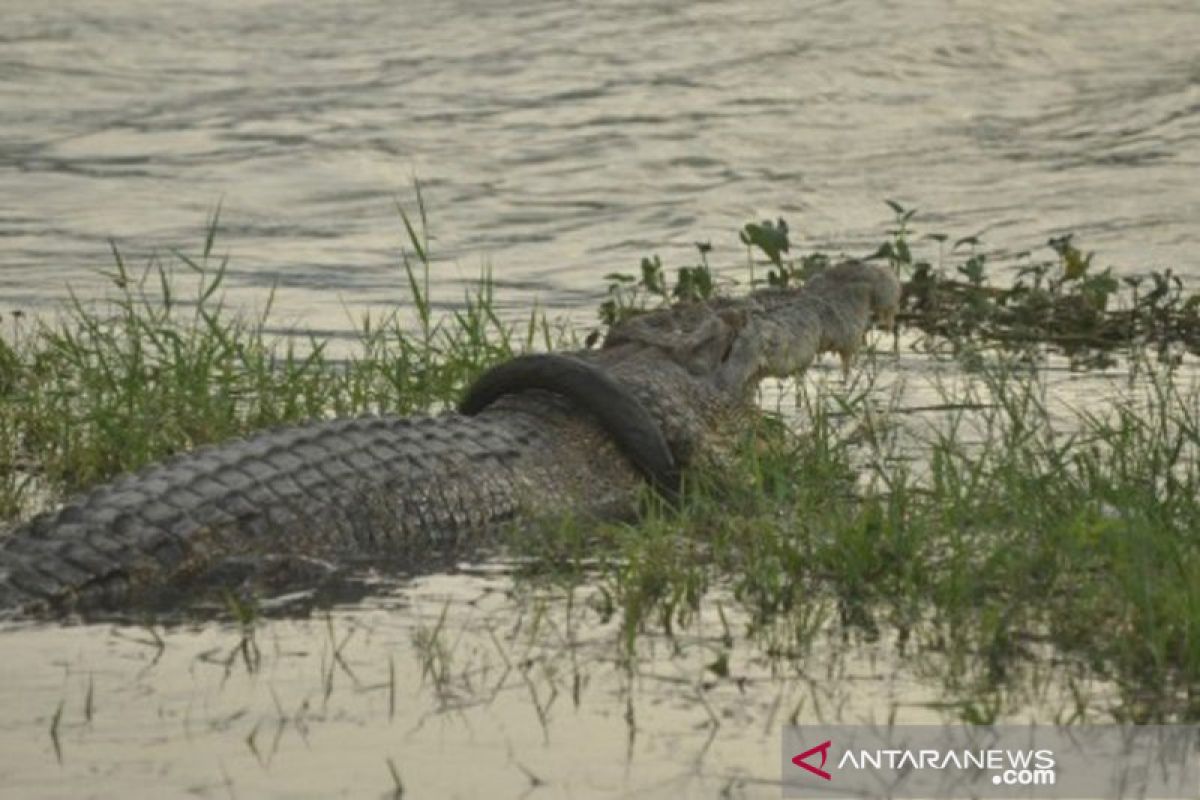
(559,141)
(556,142)
(465,688)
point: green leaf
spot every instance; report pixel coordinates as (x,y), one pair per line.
(885,251)
(652,275)
(1075,264)
(770,238)
(974,270)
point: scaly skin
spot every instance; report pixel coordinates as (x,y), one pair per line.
(406,489)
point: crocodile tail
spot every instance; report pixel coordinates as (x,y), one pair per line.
(362,486)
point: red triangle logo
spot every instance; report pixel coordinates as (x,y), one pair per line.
(823,749)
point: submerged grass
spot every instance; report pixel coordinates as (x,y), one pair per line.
(1005,543)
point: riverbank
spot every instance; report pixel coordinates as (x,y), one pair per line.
(1001,538)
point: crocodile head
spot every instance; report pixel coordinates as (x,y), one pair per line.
(732,344)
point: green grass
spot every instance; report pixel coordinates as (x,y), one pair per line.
(162,366)
(1050,546)
(1004,545)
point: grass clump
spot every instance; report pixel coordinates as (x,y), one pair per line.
(1013,546)
(163,365)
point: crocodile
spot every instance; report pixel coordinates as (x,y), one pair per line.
(539,436)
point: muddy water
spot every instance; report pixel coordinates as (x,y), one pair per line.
(559,141)
(460,687)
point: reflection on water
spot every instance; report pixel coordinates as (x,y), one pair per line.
(559,141)
(461,687)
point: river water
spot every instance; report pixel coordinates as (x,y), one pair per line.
(554,142)
(559,141)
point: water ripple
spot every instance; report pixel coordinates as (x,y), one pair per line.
(559,141)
